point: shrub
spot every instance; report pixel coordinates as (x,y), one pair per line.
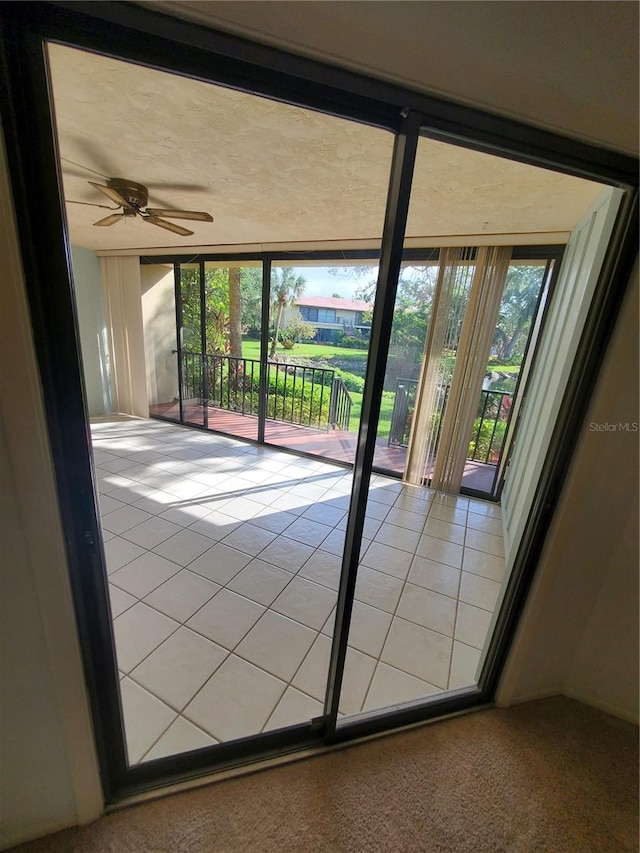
(354,383)
(351,343)
(479,446)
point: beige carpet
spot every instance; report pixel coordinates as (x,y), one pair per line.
(551,775)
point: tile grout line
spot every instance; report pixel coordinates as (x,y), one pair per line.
(268,607)
(295,574)
(393,615)
(457,608)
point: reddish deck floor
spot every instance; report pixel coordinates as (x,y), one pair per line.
(337,445)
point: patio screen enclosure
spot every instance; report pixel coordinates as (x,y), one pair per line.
(196,377)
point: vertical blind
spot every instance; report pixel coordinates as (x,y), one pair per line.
(463,320)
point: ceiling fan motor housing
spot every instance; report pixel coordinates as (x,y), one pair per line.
(136,194)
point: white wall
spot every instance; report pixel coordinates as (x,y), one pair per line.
(159,320)
(36,791)
(48,764)
(93,334)
(579,632)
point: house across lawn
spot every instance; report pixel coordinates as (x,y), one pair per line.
(334,317)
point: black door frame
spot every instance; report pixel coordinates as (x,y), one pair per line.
(191,50)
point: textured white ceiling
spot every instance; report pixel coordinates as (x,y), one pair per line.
(270,172)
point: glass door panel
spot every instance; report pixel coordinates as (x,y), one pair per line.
(320,320)
(225,575)
(233,306)
(159,323)
(502,386)
(431,562)
(406,602)
(414,303)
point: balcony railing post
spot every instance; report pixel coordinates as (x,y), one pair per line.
(399,414)
(333,403)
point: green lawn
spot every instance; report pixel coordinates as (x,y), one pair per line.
(386,409)
(504,368)
(251,349)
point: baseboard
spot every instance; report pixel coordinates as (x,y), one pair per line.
(545,693)
(601,705)
(577,696)
(13,837)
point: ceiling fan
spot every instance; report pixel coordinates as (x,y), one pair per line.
(133,199)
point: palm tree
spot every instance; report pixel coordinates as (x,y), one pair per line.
(286,287)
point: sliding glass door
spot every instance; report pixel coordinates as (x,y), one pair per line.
(300,599)
(313,361)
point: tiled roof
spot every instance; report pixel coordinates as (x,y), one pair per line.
(333,302)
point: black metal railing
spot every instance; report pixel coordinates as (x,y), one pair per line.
(489,426)
(193,372)
(296,394)
(402,414)
(341,403)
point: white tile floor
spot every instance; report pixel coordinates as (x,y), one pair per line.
(223,562)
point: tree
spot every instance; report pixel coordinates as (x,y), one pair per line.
(251,292)
(298,329)
(216,300)
(286,287)
(235,313)
(519,300)
(235,327)
(414,297)
(190,308)
(233,306)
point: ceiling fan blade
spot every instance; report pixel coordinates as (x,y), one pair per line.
(114,195)
(111,219)
(177,229)
(198,215)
